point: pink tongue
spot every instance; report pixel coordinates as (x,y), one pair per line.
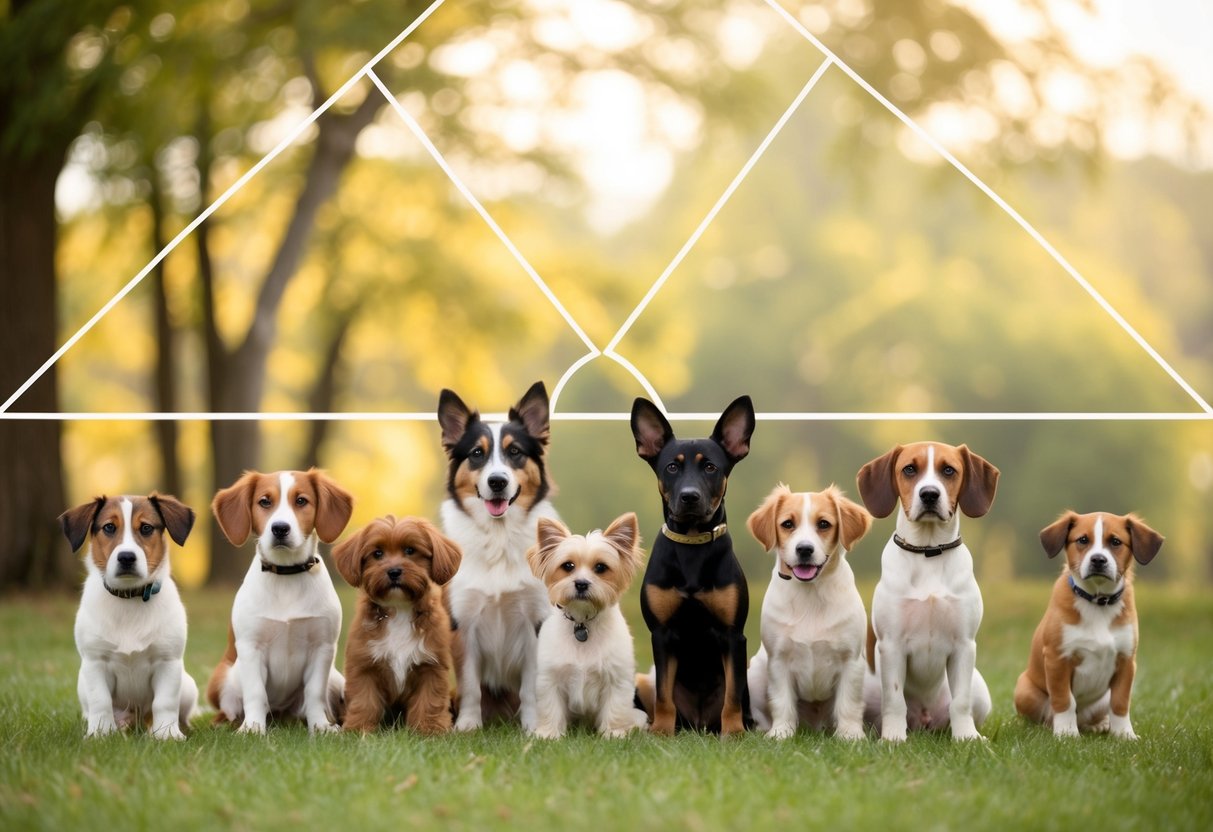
(496,507)
(806,572)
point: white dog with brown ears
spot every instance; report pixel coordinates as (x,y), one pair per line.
(926,609)
(809,669)
(131,627)
(586,668)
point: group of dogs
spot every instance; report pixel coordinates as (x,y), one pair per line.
(525,614)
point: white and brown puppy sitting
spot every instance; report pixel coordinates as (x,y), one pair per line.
(586,668)
(398,656)
(809,669)
(131,628)
(1084,652)
(286,617)
(922,648)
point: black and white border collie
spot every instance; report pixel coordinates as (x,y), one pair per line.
(498,489)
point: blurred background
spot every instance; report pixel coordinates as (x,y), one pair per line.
(852,271)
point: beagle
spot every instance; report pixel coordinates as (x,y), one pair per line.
(922,644)
(1084,652)
(286,617)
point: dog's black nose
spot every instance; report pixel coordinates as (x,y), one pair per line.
(689,497)
(1098,563)
(805,550)
(127,559)
(929,495)
(395,572)
(581,586)
(280,530)
(498,483)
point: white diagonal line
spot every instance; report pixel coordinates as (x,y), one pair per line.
(214,206)
(720,203)
(610,416)
(416,130)
(1000,202)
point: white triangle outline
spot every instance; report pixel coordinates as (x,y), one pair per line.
(594,352)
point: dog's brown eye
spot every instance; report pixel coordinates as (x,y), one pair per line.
(146,529)
(1114,542)
(788,524)
(1084,540)
(710,468)
(408,550)
(823,524)
(264,502)
(109,528)
(600,568)
(909,470)
(476,453)
(568,566)
(949,471)
(515,450)
(672,467)
(377,554)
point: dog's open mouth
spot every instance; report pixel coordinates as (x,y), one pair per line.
(806,571)
(497,507)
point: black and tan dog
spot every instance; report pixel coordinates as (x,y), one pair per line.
(694,598)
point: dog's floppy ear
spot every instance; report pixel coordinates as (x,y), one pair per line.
(233,508)
(1053,536)
(624,536)
(762,522)
(876,486)
(177,516)
(550,535)
(981,481)
(651,430)
(446,552)
(735,427)
(853,520)
(347,556)
(78,522)
(334,505)
(533,412)
(1146,542)
(454,416)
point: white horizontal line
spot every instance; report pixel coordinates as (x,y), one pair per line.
(689,416)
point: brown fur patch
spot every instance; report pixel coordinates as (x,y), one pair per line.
(319,504)
(147,530)
(662,602)
(720,602)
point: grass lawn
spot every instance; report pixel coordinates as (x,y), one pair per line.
(50,778)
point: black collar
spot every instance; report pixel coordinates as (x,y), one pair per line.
(929,551)
(580,631)
(145,592)
(290,568)
(1098,600)
(695,539)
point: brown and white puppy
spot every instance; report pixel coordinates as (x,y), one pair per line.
(286,617)
(922,648)
(809,669)
(586,667)
(1084,652)
(398,655)
(131,628)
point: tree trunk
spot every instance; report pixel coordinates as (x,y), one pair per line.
(166,388)
(33,552)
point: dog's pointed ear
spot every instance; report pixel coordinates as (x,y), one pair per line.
(347,556)
(533,412)
(762,522)
(454,416)
(624,536)
(78,522)
(651,430)
(1146,542)
(177,516)
(1053,536)
(980,484)
(853,519)
(734,428)
(446,555)
(551,533)
(334,505)
(877,487)
(233,508)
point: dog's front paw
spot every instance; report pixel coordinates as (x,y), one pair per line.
(547,732)
(893,733)
(662,728)
(966,734)
(850,731)
(1065,725)
(1122,728)
(102,729)
(250,726)
(172,731)
(324,727)
(781,732)
(467,722)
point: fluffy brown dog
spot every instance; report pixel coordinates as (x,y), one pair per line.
(398,656)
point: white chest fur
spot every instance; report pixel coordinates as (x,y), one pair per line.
(400,648)
(1094,644)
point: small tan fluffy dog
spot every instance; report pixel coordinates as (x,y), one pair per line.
(398,656)
(586,668)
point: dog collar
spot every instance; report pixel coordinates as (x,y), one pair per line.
(1098,600)
(695,539)
(580,631)
(929,551)
(145,592)
(290,568)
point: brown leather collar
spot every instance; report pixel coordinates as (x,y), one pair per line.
(929,551)
(290,568)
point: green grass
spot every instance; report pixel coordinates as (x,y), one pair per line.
(51,778)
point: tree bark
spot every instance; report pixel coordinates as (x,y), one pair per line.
(166,388)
